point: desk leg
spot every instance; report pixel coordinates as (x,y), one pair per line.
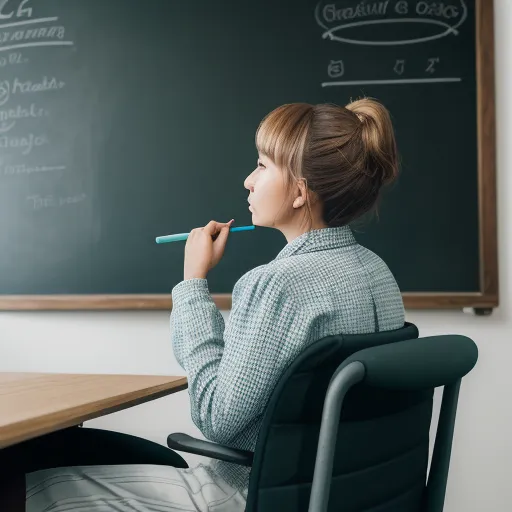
(12,493)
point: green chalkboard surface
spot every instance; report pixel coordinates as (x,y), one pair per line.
(123,120)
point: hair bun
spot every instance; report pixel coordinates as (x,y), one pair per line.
(378,138)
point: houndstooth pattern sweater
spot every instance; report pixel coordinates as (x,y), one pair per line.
(320,284)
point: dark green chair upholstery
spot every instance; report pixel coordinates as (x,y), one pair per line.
(347,426)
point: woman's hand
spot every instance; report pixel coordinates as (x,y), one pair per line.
(204,249)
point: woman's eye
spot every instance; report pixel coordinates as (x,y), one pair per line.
(260,165)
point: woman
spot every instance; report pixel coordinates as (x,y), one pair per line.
(320,168)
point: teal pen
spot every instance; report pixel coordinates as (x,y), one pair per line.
(178,237)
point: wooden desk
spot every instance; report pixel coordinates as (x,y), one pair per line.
(34,404)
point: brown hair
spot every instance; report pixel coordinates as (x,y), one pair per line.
(345,154)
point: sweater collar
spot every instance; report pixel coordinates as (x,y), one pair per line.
(319,240)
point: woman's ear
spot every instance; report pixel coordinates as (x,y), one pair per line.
(302,194)
(299,201)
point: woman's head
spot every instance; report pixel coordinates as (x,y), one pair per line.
(324,164)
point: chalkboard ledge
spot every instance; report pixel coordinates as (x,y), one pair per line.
(222,300)
(96,302)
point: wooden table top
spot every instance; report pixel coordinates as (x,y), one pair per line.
(34,404)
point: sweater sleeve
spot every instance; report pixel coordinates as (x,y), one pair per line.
(231,371)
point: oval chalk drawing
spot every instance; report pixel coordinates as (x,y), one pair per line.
(333,28)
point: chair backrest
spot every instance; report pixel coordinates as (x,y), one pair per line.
(382,443)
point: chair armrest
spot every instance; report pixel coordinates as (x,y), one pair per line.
(419,363)
(185,443)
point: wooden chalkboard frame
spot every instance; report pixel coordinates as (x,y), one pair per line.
(482,301)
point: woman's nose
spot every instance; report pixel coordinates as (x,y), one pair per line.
(249,182)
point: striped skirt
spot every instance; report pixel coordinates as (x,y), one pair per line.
(130,488)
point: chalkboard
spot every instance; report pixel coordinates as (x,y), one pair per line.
(123,120)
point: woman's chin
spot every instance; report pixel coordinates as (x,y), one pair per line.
(256,221)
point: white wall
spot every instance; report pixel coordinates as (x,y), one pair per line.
(130,342)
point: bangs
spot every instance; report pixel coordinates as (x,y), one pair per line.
(282,135)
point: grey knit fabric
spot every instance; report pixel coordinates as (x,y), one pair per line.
(320,284)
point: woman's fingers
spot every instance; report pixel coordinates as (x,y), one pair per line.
(224,233)
(213,227)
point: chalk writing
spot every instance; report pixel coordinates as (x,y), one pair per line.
(19,112)
(396,81)
(334,19)
(55,32)
(399,67)
(431,64)
(24,170)
(8,117)
(47,84)
(36,44)
(25,33)
(18,87)
(332,13)
(72,199)
(25,143)
(402,7)
(38,202)
(11,59)
(7,12)
(20,105)
(336,68)
(440,9)
(23,10)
